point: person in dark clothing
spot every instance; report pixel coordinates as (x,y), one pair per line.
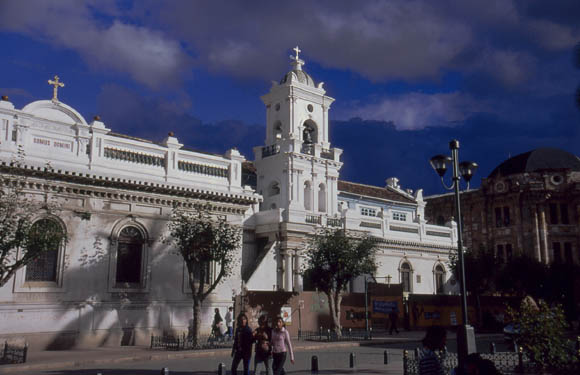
(434,341)
(263,337)
(242,348)
(215,326)
(393,317)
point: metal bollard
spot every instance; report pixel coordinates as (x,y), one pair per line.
(386,357)
(221,369)
(350,332)
(416,353)
(371,333)
(351,360)
(314,365)
(405,361)
(328,334)
(320,332)
(492,348)
(164,371)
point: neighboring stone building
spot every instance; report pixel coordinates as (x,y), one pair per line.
(116,282)
(529,204)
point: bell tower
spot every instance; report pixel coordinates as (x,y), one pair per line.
(297,169)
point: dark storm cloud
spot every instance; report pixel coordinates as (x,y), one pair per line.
(127,112)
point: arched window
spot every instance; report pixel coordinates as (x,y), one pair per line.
(129,269)
(310,132)
(439,279)
(321,198)
(307,196)
(47,239)
(406,277)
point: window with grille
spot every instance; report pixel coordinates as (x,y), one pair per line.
(44,268)
(129,257)
(367,211)
(399,216)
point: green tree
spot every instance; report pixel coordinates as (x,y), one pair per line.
(23,238)
(523,276)
(202,239)
(480,273)
(541,333)
(333,259)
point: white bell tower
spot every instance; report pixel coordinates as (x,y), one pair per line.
(297,169)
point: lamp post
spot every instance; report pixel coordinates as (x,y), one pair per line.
(465,334)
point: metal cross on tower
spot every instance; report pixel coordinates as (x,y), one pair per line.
(297,50)
(56,84)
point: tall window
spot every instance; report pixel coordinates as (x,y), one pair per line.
(557,252)
(506,216)
(307,196)
(439,279)
(45,266)
(500,254)
(321,198)
(498,221)
(553,213)
(568,253)
(129,257)
(406,277)
(564,213)
(508,252)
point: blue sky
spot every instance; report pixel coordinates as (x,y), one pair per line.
(407,76)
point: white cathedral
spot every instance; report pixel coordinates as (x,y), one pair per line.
(115,277)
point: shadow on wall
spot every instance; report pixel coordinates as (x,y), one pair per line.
(97,316)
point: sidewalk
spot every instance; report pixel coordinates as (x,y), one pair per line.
(66,359)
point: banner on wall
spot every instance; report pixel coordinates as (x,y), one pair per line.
(286,312)
(385,307)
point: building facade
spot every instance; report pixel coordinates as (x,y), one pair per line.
(529,204)
(116,282)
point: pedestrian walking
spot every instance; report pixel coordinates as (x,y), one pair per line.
(242,348)
(263,339)
(229,322)
(434,340)
(216,324)
(281,344)
(393,317)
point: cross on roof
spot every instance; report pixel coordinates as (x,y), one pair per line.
(297,50)
(56,84)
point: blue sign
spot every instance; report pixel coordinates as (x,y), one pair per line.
(385,307)
(432,315)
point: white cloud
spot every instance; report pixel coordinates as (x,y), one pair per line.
(148,56)
(419,110)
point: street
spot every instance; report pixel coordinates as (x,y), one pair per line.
(368,358)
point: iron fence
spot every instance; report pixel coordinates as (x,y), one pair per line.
(505,362)
(13,354)
(330,335)
(184,342)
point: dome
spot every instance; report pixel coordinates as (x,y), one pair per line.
(301,76)
(54,111)
(536,160)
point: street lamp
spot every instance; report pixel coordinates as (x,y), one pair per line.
(465,334)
